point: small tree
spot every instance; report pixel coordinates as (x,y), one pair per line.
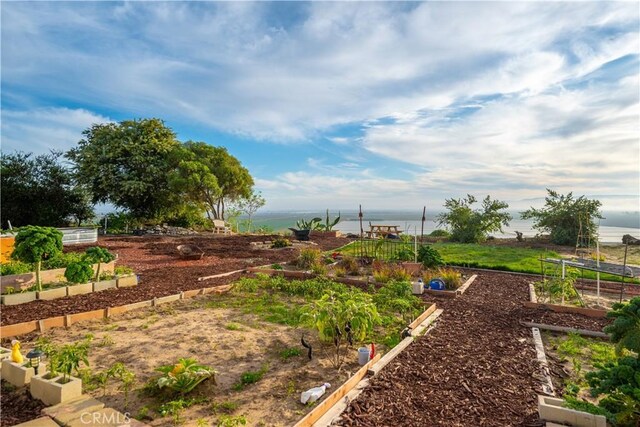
(98,255)
(473,226)
(562,216)
(34,244)
(341,318)
(250,205)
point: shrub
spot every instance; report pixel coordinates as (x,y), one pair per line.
(440,233)
(319,269)
(625,329)
(351,266)
(339,271)
(280,242)
(79,272)
(34,244)
(308,258)
(472,226)
(429,257)
(14,267)
(184,376)
(404,254)
(397,296)
(384,272)
(98,255)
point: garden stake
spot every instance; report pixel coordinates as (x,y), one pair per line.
(424,218)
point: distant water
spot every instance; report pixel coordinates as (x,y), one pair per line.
(612,228)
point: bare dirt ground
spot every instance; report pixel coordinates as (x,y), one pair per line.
(225,339)
(162,272)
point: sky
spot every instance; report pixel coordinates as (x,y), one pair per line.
(392,105)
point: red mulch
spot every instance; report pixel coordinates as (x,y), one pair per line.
(162,272)
(477,367)
(17,406)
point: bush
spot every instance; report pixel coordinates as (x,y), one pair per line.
(472,226)
(79,272)
(351,266)
(308,258)
(280,242)
(440,233)
(98,255)
(451,278)
(384,272)
(429,257)
(404,254)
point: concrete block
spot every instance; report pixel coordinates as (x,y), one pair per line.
(104,285)
(552,409)
(54,293)
(65,412)
(84,288)
(126,281)
(19,374)
(39,422)
(19,298)
(52,391)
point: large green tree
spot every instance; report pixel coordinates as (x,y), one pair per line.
(563,216)
(470,225)
(128,164)
(40,190)
(201,164)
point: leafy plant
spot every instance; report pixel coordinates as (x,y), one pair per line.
(232,421)
(396,296)
(329,224)
(313,224)
(563,216)
(98,255)
(342,318)
(308,258)
(226,407)
(557,289)
(34,244)
(123,270)
(472,226)
(184,376)
(14,267)
(176,407)
(429,257)
(276,266)
(67,358)
(625,329)
(350,264)
(319,268)
(251,377)
(127,379)
(383,272)
(288,353)
(280,242)
(79,272)
(404,254)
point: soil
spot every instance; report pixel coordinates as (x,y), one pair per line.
(162,272)
(226,339)
(17,405)
(476,367)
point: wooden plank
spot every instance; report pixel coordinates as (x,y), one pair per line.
(200,279)
(18,329)
(547,384)
(565,329)
(589,312)
(384,361)
(428,321)
(334,397)
(423,316)
(466,284)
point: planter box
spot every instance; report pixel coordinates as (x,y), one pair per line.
(126,281)
(18,374)
(104,285)
(332,233)
(52,391)
(551,409)
(54,293)
(19,298)
(84,288)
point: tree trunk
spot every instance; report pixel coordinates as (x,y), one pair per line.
(38,282)
(98,272)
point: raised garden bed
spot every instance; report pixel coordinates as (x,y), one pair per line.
(20,282)
(70,290)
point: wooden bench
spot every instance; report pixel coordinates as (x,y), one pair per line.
(220,227)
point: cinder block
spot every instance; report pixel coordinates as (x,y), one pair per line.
(552,409)
(18,374)
(84,288)
(104,285)
(54,293)
(52,391)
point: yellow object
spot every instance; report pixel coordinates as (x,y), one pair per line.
(178,369)
(16,356)
(6,248)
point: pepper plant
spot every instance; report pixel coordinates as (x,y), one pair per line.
(34,244)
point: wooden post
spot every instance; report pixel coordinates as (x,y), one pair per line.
(424,218)
(624,271)
(361,232)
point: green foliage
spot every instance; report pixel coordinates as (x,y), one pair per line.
(308,258)
(625,329)
(351,265)
(33,244)
(342,317)
(98,255)
(472,226)
(572,402)
(384,272)
(313,224)
(557,289)
(128,165)
(250,205)
(120,222)
(122,270)
(232,421)
(451,278)
(40,190)
(79,272)
(280,242)
(250,377)
(440,233)
(404,254)
(14,267)
(396,296)
(126,377)
(429,257)
(561,217)
(67,359)
(176,407)
(184,376)
(226,407)
(288,353)
(328,223)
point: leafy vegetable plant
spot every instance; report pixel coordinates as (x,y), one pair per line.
(184,376)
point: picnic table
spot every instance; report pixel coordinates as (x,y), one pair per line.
(383,230)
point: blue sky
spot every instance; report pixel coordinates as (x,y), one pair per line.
(335,104)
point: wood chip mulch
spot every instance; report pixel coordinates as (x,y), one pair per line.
(17,405)
(162,272)
(477,367)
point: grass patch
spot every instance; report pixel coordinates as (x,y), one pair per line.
(233,327)
(226,407)
(288,353)
(250,377)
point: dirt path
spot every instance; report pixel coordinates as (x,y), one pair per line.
(477,367)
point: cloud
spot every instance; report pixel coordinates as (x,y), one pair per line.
(43,129)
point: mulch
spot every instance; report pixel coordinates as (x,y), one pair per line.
(17,405)
(476,367)
(162,272)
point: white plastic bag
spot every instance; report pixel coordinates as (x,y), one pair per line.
(314,394)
